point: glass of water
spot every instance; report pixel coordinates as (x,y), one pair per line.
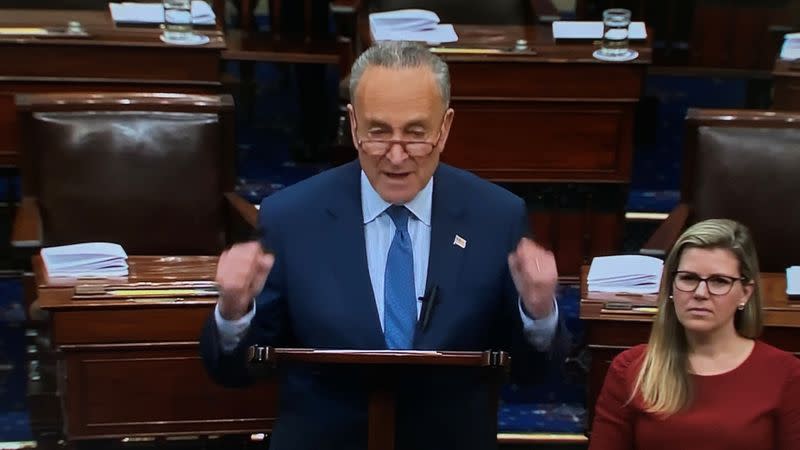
(615,32)
(177,20)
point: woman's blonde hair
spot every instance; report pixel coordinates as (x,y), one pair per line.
(664,381)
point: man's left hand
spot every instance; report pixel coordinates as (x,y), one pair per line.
(535,275)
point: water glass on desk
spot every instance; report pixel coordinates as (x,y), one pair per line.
(615,32)
(177,20)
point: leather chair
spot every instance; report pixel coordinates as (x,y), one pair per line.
(741,165)
(152,172)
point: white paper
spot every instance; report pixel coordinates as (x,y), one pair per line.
(593,30)
(410,25)
(405,19)
(793,280)
(100,259)
(637,274)
(151,13)
(439,35)
(791,46)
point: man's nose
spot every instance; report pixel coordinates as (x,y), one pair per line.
(397,153)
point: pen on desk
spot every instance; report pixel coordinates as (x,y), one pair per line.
(428,302)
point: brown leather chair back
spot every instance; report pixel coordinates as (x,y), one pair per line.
(147,171)
(477,12)
(745,165)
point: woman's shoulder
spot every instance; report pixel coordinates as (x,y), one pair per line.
(629,360)
(775,358)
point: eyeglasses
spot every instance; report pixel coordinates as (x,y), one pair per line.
(379,147)
(716,284)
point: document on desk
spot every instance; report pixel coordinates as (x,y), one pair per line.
(632,274)
(793,281)
(153,13)
(90,259)
(569,29)
(411,25)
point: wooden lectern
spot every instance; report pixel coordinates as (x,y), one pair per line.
(383,365)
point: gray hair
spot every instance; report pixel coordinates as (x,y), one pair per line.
(401,55)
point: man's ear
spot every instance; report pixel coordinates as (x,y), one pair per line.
(352,114)
(446,124)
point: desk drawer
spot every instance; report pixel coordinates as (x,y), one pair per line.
(542,141)
(114,391)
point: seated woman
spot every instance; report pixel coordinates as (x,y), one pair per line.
(703,381)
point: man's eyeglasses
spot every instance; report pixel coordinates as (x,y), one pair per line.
(716,284)
(379,147)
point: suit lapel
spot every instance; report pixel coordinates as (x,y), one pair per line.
(349,255)
(446,257)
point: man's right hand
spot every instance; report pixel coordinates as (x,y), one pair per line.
(241,273)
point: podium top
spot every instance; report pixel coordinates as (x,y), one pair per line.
(262,355)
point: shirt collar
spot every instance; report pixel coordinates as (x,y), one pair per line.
(372,205)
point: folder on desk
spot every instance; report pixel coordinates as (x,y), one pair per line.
(153,13)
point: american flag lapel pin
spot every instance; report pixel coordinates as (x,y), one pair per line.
(459,241)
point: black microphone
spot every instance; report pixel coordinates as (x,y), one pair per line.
(428,302)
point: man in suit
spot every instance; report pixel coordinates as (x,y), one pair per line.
(355,249)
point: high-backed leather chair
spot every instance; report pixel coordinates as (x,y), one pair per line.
(742,165)
(152,172)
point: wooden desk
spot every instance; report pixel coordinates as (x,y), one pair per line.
(553,121)
(133,368)
(110,59)
(608,334)
(551,113)
(786,85)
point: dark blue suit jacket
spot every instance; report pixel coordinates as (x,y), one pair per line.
(319,295)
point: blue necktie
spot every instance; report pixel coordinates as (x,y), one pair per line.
(400,305)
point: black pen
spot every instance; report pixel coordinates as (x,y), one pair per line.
(428,302)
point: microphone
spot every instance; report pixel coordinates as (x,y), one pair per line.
(428,302)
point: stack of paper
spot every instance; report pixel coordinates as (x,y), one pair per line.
(93,259)
(410,25)
(791,46)
(152,13)
(793,281)
(635,274)
(593,30)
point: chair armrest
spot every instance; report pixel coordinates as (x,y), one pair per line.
(243,210)
(242,219)
(545,11)
(662,240)
(27,231)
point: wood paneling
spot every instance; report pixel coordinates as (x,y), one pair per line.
(119,391)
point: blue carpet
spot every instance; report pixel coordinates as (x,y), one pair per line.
(14,421)
(659,140)
(556,404)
